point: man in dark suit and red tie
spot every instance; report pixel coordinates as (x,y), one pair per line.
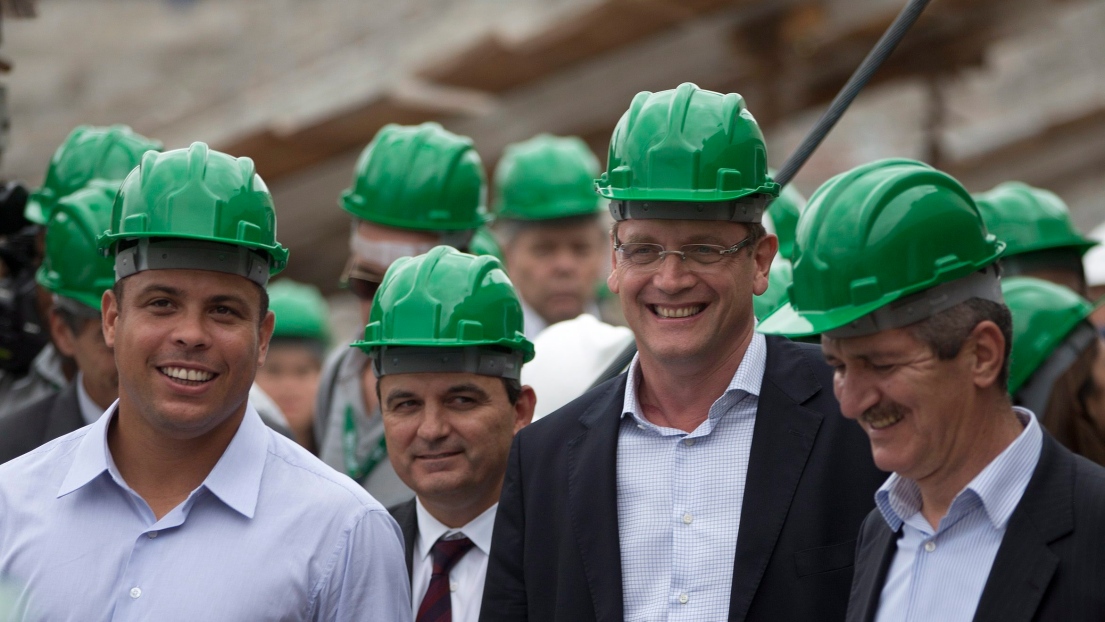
(446,341)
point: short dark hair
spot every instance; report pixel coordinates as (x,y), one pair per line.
(118,290)
(76,322)
(507,229)
(946,332)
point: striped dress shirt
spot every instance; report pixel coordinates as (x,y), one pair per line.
(939,575)
(679,500)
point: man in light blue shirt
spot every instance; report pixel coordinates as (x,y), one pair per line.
(985,516)
(178,503)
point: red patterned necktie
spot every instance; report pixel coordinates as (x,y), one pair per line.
(437,604)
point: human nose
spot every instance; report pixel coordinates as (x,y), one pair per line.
(434,424)
(672,276)
(190,331)
(855,393)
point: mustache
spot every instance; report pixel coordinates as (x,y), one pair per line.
(883,410)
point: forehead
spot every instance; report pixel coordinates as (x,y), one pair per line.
(681,231)
(193,284)
(894,342)
(427,385)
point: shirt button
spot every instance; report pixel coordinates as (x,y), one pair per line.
(135,592)
(687,519)
(689,442)
(151,535)
(453,587)
(640,426)
(930,546)
(683,598)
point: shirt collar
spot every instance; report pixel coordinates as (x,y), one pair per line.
(430,530)
(999,486)
(235,480)
(748,378)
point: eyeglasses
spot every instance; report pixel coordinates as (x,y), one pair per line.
(361,282)
(644,254)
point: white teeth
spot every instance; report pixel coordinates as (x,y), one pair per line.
(676,312)
(181,373)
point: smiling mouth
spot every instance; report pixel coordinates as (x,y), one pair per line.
(676,312)
(883,420)
(190,377)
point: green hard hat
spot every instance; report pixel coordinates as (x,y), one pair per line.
(778,280)
(301,311)
(873,236)
(88,153)
(1029,219)
(419,177)
(446,311)
(687,145)
(1044,314)
(483,242)
(72,266)
(783,215)
(546,177)
(200,209)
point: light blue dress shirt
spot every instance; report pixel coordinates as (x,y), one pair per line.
(271,534)
(679,500)
(940,575)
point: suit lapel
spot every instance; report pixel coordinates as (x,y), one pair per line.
(863,602)
(593,499)
(781,443)
(407,517)
(1024,564)
(65,415)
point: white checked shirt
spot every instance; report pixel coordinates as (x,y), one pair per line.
(940,575)
(679,500)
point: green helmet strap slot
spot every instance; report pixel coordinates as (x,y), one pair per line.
(1036,391)
(175,253)
(471,359)
(913,308)
(745,209)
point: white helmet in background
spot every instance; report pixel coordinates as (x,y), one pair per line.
(569,357)
(1093,262)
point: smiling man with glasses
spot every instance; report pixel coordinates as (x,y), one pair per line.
(414,188)
(715,480)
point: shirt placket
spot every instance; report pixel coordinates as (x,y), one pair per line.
(682,598)
(135,593)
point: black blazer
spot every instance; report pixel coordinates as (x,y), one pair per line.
(810,482)
(37,423)
(1051,562)
(407,517)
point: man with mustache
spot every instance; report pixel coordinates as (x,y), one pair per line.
(985,517)
(446,342)
(178,503)
(715,480)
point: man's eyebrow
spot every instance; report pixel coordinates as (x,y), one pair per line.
(397,394)
(228,298)
(467,387)
(157,288)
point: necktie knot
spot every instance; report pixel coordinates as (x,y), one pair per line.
(446,553)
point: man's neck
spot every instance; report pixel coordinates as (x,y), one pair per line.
(995,431)
(679,394)
(162,470)
(456,513)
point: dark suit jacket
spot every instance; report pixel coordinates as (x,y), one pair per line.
(405,514)
(810,483)
(42,421)
(1051,562)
